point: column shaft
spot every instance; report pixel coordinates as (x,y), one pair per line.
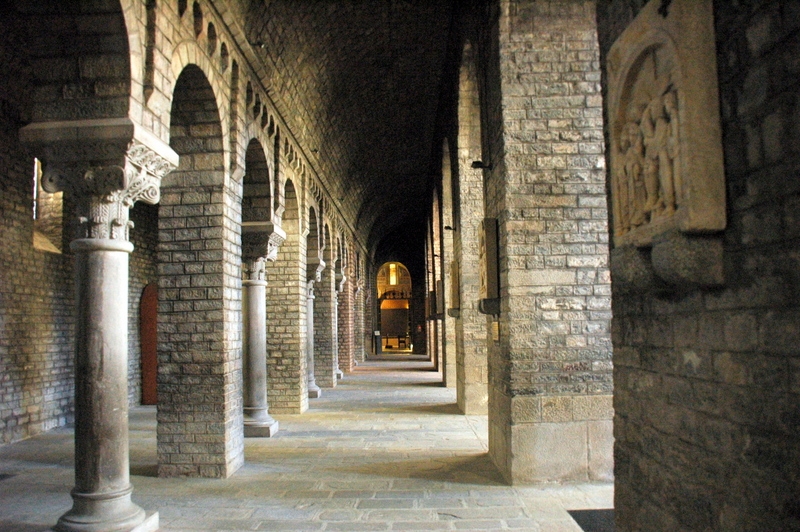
(257,421)
(313,390)
(102,494)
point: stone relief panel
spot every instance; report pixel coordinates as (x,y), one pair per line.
(666,152)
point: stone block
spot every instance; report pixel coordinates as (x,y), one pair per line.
(546,452)
(601,450)
(592,407)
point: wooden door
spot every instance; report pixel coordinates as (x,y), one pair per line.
(148,320)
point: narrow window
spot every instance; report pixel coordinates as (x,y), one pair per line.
(47,214)
(393,274)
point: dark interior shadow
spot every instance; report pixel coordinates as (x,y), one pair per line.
(23,527)
(451,408)
(471,469)
(594,520)
(144,470)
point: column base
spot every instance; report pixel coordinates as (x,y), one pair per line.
(105,513)
(339,374)
(260,429)
(314,391)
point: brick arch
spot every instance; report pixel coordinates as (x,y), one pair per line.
(257,194)
(191,53)
(196,205)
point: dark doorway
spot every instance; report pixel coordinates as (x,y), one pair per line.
(148,320)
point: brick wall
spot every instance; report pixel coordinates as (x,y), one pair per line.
(707,390)
(286,317)
(199,329)
(143,271)
(550,367)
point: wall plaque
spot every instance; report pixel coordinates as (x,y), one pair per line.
(666,151)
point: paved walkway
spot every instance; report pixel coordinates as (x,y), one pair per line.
(385,450)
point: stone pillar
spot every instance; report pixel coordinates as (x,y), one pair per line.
(122,171)
(257,421)
(325,328)
(550,372)
(313,390)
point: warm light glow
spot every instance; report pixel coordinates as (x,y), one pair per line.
(393,274)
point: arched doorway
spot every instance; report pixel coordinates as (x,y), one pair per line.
(148,340)
(394,298)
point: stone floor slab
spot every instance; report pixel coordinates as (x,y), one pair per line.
(385,450)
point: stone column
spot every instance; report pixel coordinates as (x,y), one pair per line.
(314,269)
(341,282)
(337,371)
(121,171)
(257,421)
(313,390)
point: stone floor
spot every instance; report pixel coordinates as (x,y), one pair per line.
(385,450)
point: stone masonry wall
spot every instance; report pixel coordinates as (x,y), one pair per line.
(707,392)
(550,366)
(287,381)
(143,271)
(471,347)
(346,317)
(324,324)
(199,327)
(36,291)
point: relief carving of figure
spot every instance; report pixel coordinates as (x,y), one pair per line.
(649,182)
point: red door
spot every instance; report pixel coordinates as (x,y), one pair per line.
(148,320)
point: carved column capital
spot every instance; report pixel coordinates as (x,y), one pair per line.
(104,194)
(310,289)
(341,280)
(254,270)
(314,269)
(275,241)
(104,166)
(261,239)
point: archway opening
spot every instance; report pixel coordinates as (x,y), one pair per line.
(394,305)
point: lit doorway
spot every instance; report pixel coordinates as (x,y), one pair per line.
(394,304)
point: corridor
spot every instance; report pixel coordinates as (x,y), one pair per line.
(384,450)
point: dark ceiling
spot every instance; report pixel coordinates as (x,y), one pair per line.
(358,83)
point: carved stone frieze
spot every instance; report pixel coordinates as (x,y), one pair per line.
(666,150)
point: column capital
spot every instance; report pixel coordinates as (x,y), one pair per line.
(310,289)
(314,268)
(341,280)
(261,239)
(254,270)
(104,166)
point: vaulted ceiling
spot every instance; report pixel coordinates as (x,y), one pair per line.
(358,82)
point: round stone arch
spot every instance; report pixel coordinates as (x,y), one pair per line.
(191,53)
(258,191)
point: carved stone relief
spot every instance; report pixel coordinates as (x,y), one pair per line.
(666,152)
(666,164)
